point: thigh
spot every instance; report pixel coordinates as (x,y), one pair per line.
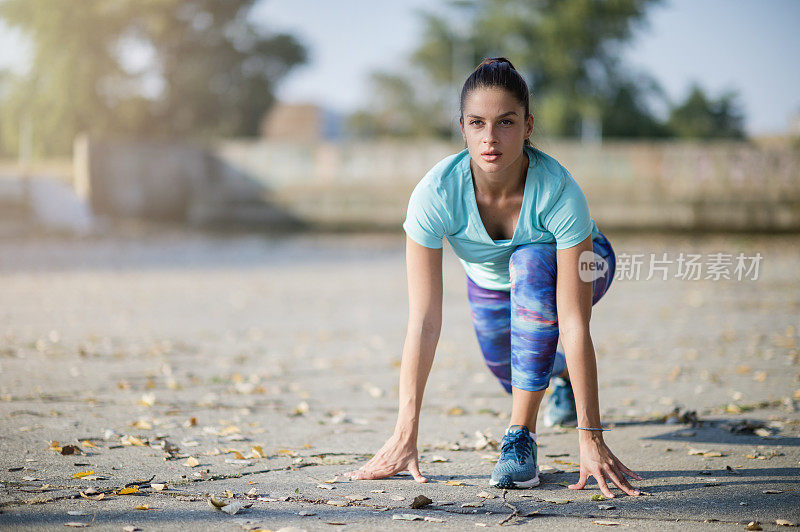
(491,317)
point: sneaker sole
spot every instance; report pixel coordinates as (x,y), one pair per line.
(505,482)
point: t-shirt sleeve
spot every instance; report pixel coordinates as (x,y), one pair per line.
(426,217)
(568,219)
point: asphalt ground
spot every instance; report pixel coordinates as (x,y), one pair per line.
(273,362)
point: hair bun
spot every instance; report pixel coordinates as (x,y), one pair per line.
(496,61)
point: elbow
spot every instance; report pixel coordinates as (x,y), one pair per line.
(573,328)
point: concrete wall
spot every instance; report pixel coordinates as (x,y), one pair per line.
(642,185)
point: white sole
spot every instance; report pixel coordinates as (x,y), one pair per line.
(521,484)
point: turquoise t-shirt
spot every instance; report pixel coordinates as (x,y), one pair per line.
(554,209)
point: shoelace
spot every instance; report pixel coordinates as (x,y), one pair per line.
(518,444)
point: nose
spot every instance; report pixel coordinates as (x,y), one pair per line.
(488,135)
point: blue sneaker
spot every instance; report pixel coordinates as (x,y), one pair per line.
(561,405)
(517,465)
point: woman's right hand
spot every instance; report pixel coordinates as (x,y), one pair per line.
(398,454)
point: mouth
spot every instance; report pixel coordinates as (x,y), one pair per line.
(491,155)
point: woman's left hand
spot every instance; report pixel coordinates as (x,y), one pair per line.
(599,462)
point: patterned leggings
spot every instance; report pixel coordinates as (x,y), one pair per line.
(518,330)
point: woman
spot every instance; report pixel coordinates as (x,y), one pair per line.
(520,226)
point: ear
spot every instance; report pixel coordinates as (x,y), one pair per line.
(529,126)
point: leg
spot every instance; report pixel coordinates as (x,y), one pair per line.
(534,322)
(491,316)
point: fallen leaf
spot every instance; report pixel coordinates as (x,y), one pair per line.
(605,507)
(257,451)
(377,491)
(336,502)
(128,491)
(326,487)
(433,519)
(439,459)
(784,522)
(456,411)
(142,424)
(148,399)
(771,492)
(597,497)
(472,505)
(565,462)
(130,528)
(606,523)
(454,483)
(557,501)
(485,495)
(77,512)
(75,524)
(753,525)
(407,517)
(132,440)
(420,501)
(357,497)
(214,502)
(82,474)
(191,462)
(232,508)
(158,487)
(143,507)
(397,498)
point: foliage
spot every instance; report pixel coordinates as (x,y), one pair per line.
(698,116)
(211,72)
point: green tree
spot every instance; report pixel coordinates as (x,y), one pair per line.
(699,116)
(567,51)
(213,70)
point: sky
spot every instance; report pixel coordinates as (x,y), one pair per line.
(745,45)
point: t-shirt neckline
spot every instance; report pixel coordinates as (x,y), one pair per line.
(473,201)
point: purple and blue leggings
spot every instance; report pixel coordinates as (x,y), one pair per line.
(518,330)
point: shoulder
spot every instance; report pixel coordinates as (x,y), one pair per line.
(445,174)
(552,174)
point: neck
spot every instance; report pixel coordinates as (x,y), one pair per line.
(504,183)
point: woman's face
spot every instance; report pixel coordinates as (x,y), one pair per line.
(494,127)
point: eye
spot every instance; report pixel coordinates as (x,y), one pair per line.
(475,122)
(507,121)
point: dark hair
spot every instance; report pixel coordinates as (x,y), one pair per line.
(497,72)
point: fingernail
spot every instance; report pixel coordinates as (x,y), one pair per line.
(636,492)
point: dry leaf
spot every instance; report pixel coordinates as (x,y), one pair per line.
(472,505)
(306,513)
(433,519)
(771,492)
(128,491)
(148,399)
(485,495)
(438,459)
(75,524)
(407,517)
(605,506)
(130,528)
(82,474)
(336,502)
(753,525)
(132,440)
(784,522)
(326,487)
(191,462)
(214,502)
(606,523)
(456,411)
(597,497)
(142,424)
(420,501)
(357,497)
(454,483)
(557,501)
(377,491)
(232,508)
(158,487)
(143,507)
(257,452)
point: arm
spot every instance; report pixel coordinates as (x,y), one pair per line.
(399,453)
(574,304)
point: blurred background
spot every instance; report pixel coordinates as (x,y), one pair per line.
(271,114)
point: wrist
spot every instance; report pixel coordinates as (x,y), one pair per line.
(590,436)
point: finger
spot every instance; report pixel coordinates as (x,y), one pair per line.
(581,482)
(413,468)
(622,483)
(601,481)
(627,471)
